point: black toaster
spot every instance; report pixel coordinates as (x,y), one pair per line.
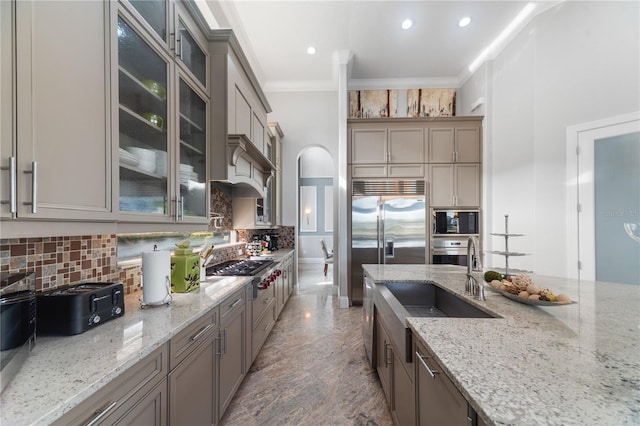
(78,308)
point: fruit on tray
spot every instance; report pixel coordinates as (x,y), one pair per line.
(492,275)
(523,286)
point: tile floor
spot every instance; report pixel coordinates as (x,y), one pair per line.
(312,369)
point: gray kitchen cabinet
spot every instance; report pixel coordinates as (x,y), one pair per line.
(239,119)
(140,393)
(193,372)
(163,116)
(232,362)
(455,185)
(150,410)
(395,376)
(263,317)
(388,151)
(454,145)
(276,145)
(56,126)
(438,401)
(282,292)
(192,386)
(384,360)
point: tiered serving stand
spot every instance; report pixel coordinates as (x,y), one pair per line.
(506,253)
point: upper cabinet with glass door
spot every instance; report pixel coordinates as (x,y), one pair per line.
(193,152)
(190,47)
(143,114)
(163,113)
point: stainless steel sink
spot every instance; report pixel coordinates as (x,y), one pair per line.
(429,300)
(396,301)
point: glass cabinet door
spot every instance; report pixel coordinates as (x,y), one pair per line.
(193,149)
(143,82)
(155,13)
(190,53)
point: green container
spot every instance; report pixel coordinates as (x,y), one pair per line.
(185,271)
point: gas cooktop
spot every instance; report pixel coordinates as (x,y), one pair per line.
(245,268)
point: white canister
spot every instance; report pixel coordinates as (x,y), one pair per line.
(156,277)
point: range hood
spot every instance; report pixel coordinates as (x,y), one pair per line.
(246,168)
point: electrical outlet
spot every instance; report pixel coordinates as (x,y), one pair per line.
(239,252)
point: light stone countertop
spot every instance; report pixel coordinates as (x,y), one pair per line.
(63,371)
(573,364)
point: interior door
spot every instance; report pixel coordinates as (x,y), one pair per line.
(609,203)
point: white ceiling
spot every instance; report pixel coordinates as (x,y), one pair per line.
(434,52)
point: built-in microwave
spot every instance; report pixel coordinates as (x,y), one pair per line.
(455,222)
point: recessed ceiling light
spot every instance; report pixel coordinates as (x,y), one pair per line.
(311,50)
(464,22)
(406,24)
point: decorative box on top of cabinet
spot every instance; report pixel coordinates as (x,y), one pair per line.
(56,161)
(163,113)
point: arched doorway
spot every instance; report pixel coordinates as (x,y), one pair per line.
(315,208)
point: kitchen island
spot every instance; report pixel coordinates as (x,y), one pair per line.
(62,372)
(559,365)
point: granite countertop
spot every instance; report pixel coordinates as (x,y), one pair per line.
(63,371)
(559,365)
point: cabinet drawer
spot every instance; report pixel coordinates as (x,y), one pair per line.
(406,170)
(182,344)
(262,329)
(369,170)
(117,397)
(233,303)
(261,303)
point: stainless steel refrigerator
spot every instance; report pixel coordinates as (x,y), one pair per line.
(388,225)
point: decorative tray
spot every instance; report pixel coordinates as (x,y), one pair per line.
(526,301)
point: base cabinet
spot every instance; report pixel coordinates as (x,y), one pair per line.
(397,382)
(150,410)
(438,401)
(191,387)
(384,359)
(232,362)
(137,397)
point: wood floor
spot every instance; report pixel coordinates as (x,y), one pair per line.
(312,370)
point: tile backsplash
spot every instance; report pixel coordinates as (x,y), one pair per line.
(61,261)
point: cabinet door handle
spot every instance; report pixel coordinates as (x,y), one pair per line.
(178,45)
(12,185)
(34,187)
(387,359)
(421,357)
(234,304)
(101,413)
(201,332)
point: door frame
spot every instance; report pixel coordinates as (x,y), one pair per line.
(580,245)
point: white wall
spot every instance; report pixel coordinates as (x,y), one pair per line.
(307,119)
(316,162)
(575,63)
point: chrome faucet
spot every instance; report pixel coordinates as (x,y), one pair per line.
(473,286)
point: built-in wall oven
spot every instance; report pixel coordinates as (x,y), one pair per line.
(450,231)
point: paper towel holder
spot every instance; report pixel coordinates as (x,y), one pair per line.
(166,301)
